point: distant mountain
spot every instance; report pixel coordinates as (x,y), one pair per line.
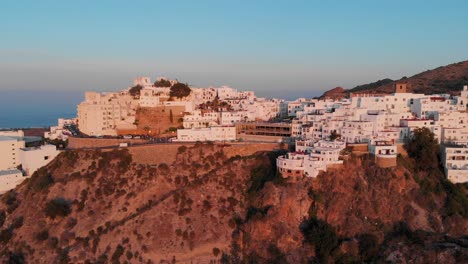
(446,79)
(371,86)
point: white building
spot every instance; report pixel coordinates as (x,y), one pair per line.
(310,163)
(103,113)
(60,131)
(229,118)
(203,95)
(201,118)
(357,131)
(9,179)
(426,106)
(383,148)
(226,92)
(409,125)
(36,157)
(453,119)
(456,163)
(455,135)
(10,144)
(214,133)
(142,81)
(149,97)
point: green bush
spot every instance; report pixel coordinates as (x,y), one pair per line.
(2,217)
(135,90)
(57,207)
(10,200)
(42,235)
(368,246)
(181,149)
(320,234)
(119,250)
(16,257)
(457,200)
(17,222)
(5,235)
(423,147)
(162,83)
(41,180)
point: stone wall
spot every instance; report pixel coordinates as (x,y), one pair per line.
(385,162)
(358,147)
(167,153)
(74,143)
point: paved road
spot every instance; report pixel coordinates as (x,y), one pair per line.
(175,143)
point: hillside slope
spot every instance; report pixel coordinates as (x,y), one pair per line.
(204,207)
(445,79)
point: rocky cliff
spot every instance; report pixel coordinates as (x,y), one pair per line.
(207,207)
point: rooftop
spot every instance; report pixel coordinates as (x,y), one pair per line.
(9,172)
(8,138)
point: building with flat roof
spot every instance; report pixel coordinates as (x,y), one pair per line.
(10,144)
(455,159)
(264,129)
(313,160)
(9,179)
(214,133)
(34,158)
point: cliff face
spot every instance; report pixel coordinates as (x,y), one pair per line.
(205,207)
(355,213)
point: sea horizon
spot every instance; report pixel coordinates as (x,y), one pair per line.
(36,109)
(41,109)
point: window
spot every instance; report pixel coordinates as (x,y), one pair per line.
(46,157)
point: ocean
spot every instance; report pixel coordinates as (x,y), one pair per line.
(32,108)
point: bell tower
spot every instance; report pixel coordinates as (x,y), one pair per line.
(400,87)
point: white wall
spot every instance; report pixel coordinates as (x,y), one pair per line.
(221,133)
(9,179)
(35,158)
(9,150)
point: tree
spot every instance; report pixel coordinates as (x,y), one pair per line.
(135,90)
(162,83)
(334,135)
(320,234)
(423,147)
(180,90)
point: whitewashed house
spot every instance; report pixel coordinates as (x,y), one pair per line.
(36,157)
(456,163)
(214,133)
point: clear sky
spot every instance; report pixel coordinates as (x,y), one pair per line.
(276,48)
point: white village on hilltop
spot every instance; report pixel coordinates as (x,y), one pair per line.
(323,131)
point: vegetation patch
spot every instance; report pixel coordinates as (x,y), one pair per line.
(58,207)
(322,235)
(180,90)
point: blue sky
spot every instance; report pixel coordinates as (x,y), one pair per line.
(276,48)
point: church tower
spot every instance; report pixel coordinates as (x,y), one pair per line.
(400,87)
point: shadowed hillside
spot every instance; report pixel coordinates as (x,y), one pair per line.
(208,206)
